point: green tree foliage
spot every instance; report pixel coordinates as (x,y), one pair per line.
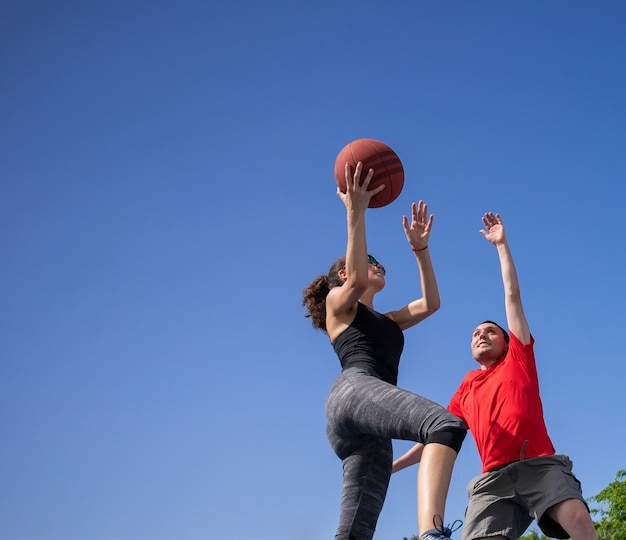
(612,509)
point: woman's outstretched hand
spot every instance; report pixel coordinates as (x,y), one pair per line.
(357,197)
(418,233)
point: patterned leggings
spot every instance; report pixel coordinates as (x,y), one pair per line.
(364,414)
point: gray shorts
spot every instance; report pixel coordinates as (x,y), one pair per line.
(504,502)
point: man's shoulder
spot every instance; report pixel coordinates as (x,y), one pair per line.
(515,341)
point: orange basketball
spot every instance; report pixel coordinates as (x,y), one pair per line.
(375,155)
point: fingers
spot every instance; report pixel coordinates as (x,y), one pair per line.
(354,180)
(431,219)
(422,211)
(490,219)
(420,214)
(368,178)
(348,175)
(357,193)
(494,228)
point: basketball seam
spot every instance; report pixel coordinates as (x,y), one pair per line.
(381,158)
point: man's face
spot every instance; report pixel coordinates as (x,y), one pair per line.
(488,344)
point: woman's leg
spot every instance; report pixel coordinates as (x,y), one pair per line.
(433,480)
(366,473)
(360,404)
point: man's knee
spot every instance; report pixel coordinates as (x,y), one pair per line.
(571,509)
(573,515)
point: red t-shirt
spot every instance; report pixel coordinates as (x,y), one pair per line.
(503,410)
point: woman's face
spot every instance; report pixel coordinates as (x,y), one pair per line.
(373,262)
(375,273)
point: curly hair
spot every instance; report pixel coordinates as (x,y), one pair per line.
(314,295)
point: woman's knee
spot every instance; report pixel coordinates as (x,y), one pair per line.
(451,436)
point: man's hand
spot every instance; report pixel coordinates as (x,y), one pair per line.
(495,228)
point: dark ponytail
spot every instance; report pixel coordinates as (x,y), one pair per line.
(314,295)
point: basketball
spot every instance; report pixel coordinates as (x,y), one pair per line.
(375,155)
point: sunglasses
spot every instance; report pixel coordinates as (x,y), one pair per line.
(373,261)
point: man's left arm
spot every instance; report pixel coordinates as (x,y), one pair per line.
(515,317)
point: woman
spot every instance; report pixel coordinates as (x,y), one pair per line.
(365,409)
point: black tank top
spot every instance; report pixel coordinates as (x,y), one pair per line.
(372,341)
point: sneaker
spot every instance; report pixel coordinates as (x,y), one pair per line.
(440,532)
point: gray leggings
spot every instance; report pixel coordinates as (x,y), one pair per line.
(364,413)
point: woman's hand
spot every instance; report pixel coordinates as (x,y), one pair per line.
(421,224)
(357,197)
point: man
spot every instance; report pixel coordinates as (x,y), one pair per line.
(522,478)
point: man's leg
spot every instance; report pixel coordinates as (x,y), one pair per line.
(573,516)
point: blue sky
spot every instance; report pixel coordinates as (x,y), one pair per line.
(167,192)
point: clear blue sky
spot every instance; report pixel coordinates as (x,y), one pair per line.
(167,192)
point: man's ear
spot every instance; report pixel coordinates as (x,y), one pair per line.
(342,274)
